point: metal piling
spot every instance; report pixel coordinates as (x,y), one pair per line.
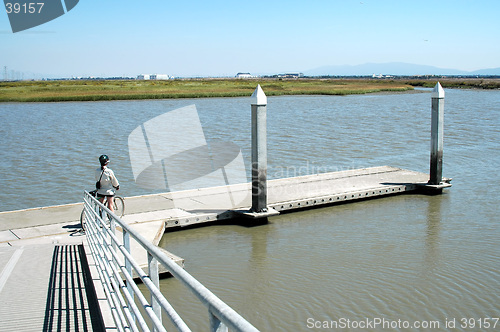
(437,124)
(259,151)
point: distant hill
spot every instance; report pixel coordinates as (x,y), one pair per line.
(393,68)
(490,71)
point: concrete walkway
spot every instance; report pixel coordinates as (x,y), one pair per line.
(46,285)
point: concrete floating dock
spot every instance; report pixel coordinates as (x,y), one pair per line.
(204,205)
(151,215)
(162,211)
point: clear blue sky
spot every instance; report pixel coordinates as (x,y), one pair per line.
(189,38)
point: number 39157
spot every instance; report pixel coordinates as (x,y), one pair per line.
(25,8)
(482,323)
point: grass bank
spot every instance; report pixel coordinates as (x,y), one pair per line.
(95,90)
(456,83)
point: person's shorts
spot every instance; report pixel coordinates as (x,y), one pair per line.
(101,196)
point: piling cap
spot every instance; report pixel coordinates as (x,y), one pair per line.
(258,96)
(438,91)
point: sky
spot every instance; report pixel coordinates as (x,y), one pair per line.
(221,38)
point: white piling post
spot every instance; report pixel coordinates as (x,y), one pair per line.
(154,275)
(259,150)
(437,125)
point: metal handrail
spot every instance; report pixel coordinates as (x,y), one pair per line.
(115,263)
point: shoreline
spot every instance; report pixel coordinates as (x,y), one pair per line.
(108,90)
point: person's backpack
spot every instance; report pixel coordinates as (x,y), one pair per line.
(98,183)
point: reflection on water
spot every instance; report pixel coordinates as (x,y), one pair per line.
(434,218)
(410,258)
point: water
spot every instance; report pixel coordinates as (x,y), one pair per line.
(49,150)
(411,258)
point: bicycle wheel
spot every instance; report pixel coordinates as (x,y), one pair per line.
(83,220)
(119,206)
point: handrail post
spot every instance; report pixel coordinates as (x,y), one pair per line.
(215,324)
(112,227)
(437,125)
(103,216)
(96,216)
(128,265)
(154,275)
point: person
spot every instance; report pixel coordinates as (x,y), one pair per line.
(108,182)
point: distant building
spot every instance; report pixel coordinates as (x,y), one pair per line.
(244,75)
(290,75)
(154,77)
(382,76)
(160,77)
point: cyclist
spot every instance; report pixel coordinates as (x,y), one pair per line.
(106,182)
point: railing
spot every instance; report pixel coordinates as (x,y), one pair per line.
(115,263)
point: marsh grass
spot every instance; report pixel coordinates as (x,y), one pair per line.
(458,83)
(94,90)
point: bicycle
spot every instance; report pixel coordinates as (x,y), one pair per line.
(118,207)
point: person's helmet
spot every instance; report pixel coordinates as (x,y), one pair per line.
(104,159)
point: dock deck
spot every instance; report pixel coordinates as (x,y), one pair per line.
(184,208)
(203,205)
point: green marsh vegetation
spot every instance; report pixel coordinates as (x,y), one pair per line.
(95,90)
